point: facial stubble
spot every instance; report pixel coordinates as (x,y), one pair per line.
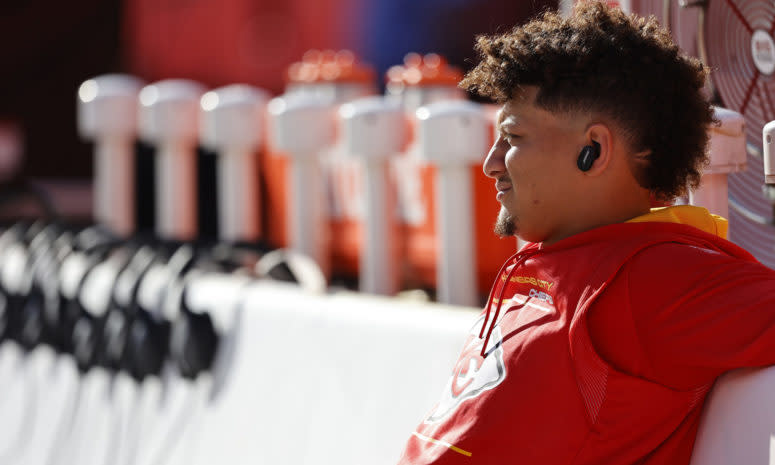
(504,225)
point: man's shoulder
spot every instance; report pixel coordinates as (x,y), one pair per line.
(672,256)
(671,272)
(670,252)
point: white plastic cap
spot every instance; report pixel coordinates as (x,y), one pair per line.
(768,139)
(169,110)
(732,122)
(301,125)
(416,97)
(452,132)
(331,92)
(232,116)
(373,127)
(107,105)
(727,143)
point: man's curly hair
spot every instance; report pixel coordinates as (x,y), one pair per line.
(602,61)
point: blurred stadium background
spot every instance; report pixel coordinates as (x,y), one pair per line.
(49,48)
(229,367)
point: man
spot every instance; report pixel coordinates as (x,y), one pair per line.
(603,335)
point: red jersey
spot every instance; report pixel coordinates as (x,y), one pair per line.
(602,347)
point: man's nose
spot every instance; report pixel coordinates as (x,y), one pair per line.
(495,163)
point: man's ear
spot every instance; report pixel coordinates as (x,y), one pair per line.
(600,133)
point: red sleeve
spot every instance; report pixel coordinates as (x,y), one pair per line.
(693,314)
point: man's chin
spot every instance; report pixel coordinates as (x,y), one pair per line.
(505,225)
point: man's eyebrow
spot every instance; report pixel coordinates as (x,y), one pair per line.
(506,123)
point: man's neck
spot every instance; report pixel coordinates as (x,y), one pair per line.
(592,219)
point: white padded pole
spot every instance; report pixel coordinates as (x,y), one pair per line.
(169,119)
(107,115)
(456,263)
(238,195)
(378,266)
(453,136)
(712,194)
(176,172)
(374,129)
(308,229)
(301,126)
(114,177)
(232,125)
(727,155)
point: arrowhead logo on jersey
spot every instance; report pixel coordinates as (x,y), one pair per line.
(473,374)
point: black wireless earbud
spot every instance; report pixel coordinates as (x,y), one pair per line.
(587,156)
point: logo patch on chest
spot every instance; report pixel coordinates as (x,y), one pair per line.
(472,374)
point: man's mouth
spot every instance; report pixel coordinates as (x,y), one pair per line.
(502,187)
